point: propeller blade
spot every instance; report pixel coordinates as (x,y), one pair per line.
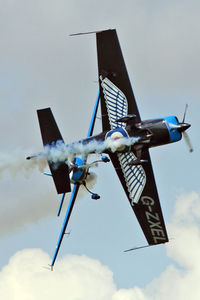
(188,142)
(186,108)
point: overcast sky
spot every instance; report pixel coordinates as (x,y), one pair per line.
(41,66)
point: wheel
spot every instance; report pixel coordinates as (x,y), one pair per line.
(105,158)
(95,196)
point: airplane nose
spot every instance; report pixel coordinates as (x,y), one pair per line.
(183,127)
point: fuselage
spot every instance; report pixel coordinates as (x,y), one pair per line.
(147,134)
(150,133)
(164,130)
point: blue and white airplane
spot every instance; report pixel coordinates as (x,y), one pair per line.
(121,123)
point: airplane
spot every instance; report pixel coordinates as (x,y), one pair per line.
(125,138)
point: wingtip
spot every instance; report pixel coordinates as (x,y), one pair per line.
(51,267)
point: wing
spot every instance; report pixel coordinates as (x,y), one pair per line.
(140,187)
(148,210)
(117,100)
(75,190)
(67,217)
(113,79)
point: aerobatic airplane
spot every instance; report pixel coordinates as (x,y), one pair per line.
(121,123)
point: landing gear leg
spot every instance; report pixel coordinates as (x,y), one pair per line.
(94,196)
(138,160)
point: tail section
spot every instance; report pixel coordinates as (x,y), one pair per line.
(50,135)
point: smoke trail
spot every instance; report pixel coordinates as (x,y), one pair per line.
(27,202)
(60,151)
(15,163)
(23,212)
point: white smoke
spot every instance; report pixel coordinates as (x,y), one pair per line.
(28,208)
(60,151)
(15,163)
(29,202)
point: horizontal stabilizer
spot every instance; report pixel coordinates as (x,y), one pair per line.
(49,129)
(50,135)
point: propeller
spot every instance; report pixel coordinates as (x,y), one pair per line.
(185,126)
(188,142)
(186,108)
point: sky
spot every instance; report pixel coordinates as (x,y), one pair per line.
(41,66)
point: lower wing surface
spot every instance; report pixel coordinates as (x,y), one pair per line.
(140,187)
